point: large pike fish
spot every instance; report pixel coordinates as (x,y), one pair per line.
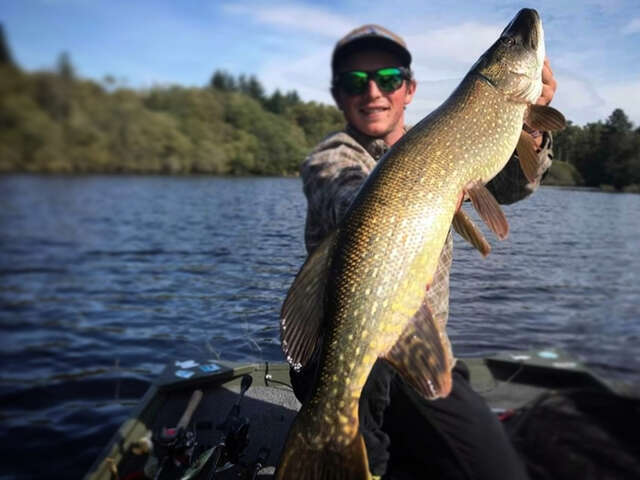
(359,296)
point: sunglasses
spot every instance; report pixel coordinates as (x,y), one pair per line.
(357,82)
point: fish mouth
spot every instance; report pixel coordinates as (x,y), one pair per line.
(526,29)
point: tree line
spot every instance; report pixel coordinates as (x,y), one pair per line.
(600,154)
(55,122)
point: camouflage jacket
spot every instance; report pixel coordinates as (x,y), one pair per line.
(335,169)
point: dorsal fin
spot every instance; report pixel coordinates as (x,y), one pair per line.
(470,232)
(302,315)
(421,357)
(488,209)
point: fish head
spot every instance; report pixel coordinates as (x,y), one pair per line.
(513,64)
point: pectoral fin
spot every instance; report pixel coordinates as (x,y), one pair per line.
(527,155)
(472,234)
(301,318)
(543,117)
(488,209)
(421,357)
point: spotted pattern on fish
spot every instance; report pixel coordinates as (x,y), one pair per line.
(397,227)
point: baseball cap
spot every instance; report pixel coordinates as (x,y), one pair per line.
(370,36)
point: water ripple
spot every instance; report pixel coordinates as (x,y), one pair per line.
(105,279)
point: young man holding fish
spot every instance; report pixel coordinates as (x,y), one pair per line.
(406,435)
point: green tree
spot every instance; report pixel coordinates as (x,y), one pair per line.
(617,149)
(56,122)
(604,153)
(252,87)
(281,144)
(65,68)
(224,81)
(316,120)
(588,156)
(276,103)
(566,141)
(5,53)
(279,103)
(292,98)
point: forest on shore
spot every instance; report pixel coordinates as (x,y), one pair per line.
(56,122)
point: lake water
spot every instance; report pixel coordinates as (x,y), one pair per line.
(105,279)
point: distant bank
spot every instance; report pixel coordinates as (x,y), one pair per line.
(54,122)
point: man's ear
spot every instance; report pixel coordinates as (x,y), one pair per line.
(412,85)
(336,97)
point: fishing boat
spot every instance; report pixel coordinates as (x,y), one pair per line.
(211,419)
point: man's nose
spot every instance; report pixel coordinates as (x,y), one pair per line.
(373,91)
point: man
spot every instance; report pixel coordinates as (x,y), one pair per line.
(406,436)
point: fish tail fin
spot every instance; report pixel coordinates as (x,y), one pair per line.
(300,462)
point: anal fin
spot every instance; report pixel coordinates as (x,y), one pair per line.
(470,232)
(420,355)
(488,208)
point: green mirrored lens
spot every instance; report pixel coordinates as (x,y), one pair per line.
(354,82)
(389,79)
(386,72)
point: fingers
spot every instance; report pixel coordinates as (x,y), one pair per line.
(547,73)
(549,84)
(547,95)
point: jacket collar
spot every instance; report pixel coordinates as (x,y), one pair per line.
(375,146)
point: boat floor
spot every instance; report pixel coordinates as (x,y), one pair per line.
(270,406)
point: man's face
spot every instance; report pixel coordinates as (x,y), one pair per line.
(374,112)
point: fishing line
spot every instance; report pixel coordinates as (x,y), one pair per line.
(508,380)
(269,379)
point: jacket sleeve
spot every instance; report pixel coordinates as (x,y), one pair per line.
(331,176)
(510,185)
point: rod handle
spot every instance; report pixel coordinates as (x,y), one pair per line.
(194,401)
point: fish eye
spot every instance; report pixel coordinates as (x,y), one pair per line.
(508,41)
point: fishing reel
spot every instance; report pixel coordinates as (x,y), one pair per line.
(173,451)
(235,429)
(227,453)
(176,443)
(179,444)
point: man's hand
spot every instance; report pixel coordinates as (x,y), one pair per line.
(549,84)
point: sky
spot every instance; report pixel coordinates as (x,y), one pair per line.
(593,45)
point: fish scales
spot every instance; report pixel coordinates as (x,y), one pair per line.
(452,140)
(386,251)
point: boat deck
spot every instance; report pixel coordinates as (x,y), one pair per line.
(507,381)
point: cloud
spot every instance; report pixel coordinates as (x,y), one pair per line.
(582,100)
(298,17)
(624,95)
(429,95)
(450,51)
(632,27)
(577,98)
(576,92)
(462,42)
(442,56)
(309,75)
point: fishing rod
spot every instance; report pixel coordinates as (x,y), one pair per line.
(227,453)
(174,445)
